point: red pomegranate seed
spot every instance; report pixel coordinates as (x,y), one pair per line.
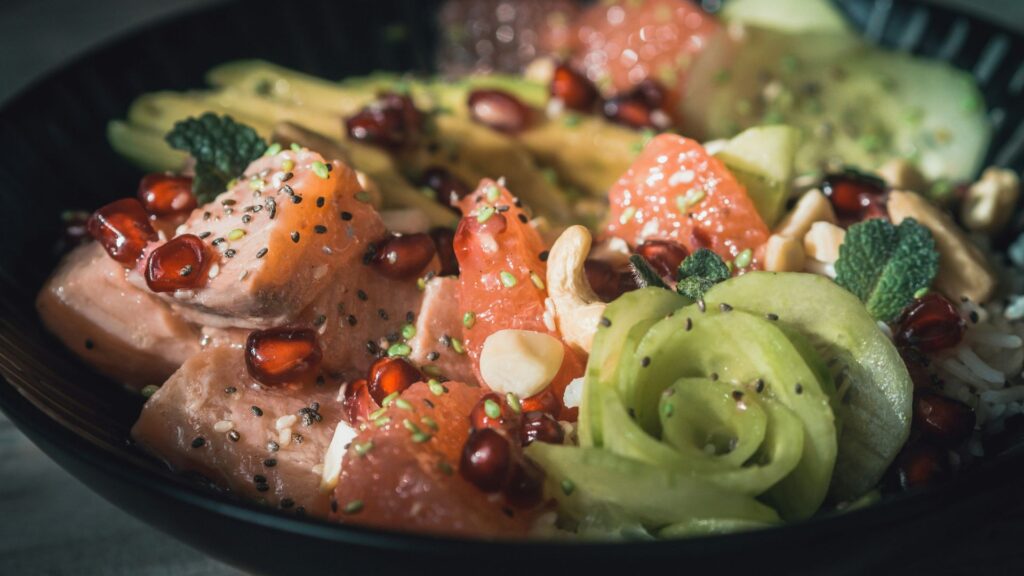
(921,464)
(123,228)
(540,427)
(651,93)
(664,256)
(498,110)
(486,459)
(607,282)
(166,195)
(942,419)
(855,196)
(525,488)
(448,188)
(575,90)
(390,122)
(284,354)
(931,323)
(404,257)
(483,414)
(444,242)
(628,112)
(917,367)
(543,401)
(389,375)
(357,402)
(182,263)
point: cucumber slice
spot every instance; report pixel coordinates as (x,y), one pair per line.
(874,388)
(794,16)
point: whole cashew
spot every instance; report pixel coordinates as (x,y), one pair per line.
(577,309)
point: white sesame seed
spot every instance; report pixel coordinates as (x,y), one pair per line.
(223,426)
(681,177)
(214,271)
(284,437)
(286,421)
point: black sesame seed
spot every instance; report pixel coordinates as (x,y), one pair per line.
(262,252)
(352,320)
(522,218)
(320,229)
(185,270)
(372,347)
(230,390)
(433,356)
(89,345)
(771,316)
(737,395)
(799,388)
(259,479)
(714,376)
(725,307)
(689,324)
(204,235)
(544,256)
(228,202)
(273,446)
(230,253)
(262,487)
(410,317)
(320,201)
(759,385)
(257,410)
(217,241)
(287,189)
(270,462)
(287,176)
(501,208)
(206,216)
(645,362)
(287,503)
(234,436)
(445,340)
(319,320)
(334,505)
(246,219)
(296,199)
(382,313)
(295,236)
(605,322)
(272,207)
(361,295)
(346,216)
(974,317)
(198,442)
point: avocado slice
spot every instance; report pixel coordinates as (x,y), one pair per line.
(762,159)
(796,16)
(874,389)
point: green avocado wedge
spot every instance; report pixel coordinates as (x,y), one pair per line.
(874,390)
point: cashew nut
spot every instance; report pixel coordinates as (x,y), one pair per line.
(812,207)
(963,270)
(822,241)
(783,254)
(990,201)
(577,309)
(520,361)
(902,175)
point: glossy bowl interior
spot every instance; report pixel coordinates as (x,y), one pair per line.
(54,156)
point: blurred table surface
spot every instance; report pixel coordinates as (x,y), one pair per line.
(52,524)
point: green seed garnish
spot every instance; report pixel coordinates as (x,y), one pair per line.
(399,349)
(507,279)
(320,169)
(353,506)
(257,184)
(536,280)
(921,293)
(408,331)
(743,258)
(363,448)
(484,214)
(295,147)
(568,487)
(149,390)
(363,196)
(430,422)
(457,346)
(468,319)
(513,402)
(492,409)
(492,193)
(236,234)
(378,413)
(379,422)
(403,404)
(436,388)
(389,399)
(411,426)
(287,165)
(667,410)
(273,149)
(445,468)
(627,215)
(692,197)
(431,370)
(420,437)
(421,284)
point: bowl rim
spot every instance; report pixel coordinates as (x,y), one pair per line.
(53,437)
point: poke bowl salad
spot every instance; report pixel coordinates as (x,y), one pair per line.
(628,269)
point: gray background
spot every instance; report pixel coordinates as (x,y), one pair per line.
(50,523)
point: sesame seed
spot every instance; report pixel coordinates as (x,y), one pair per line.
(346,216)
(725,307)
(771,316)
(149,390)
(353,507)
(230,253)
(701,305)
(544,256)
(361,295)
(522,218)
(257,410)
(433,356)
(320,201)
(296,199)
(270,462)
(204,235)
(273,446)
(198,442)
(605,322)
(295,236)
(230,390)
(645,362)
(262,252)
(234,435)
(714,376)
(320,229)
(689,324)
(737,395)
(759,385)
(799,388)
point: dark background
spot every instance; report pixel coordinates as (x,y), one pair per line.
(51,524)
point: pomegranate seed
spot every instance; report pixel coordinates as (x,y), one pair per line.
(404,257)
(639,108)
(357,402)
(498,110)
(543,401)
(855,196)
(651,93)
(606,282)
(491,411)
(182,263)
(448,188)
(486,459)
(123,228)
(540,427)
(389,375)
(444,242)
(525,488)
(165,195)
(390,122)
(921,464)
(664,256)
(76,228)
(931,323)
(917,366)
(942,419)
(284,354)
(575,90)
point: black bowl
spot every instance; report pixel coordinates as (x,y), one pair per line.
(54,156)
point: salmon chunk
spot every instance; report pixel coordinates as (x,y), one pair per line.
(279,236)
(440,321)
(125,332)
(261,442)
